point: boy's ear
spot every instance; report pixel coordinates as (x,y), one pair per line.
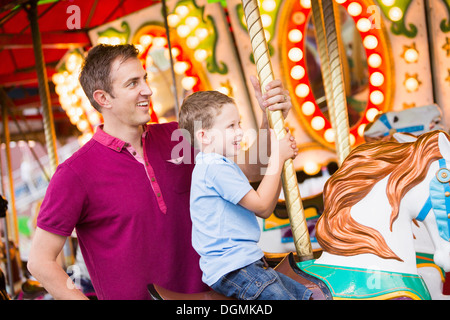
(202,137)
(102,98)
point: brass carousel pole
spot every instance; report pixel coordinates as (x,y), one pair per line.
(325,16)
(11,217)
(290,186)
(44,93)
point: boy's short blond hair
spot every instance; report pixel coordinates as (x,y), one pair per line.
(200,109)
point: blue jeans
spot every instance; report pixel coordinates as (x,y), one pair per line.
(256,282)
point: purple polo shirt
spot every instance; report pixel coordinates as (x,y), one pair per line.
(131,214)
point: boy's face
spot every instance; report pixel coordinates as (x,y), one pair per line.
(226,133)
(131,92)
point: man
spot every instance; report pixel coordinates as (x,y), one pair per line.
(127,198)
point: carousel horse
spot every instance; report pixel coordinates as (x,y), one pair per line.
(365,230)
(415,121)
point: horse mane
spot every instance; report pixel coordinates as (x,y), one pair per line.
(407,163)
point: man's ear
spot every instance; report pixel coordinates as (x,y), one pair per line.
(102,98)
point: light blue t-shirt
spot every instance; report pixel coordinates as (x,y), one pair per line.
(224,234)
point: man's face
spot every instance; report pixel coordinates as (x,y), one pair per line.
(130,96)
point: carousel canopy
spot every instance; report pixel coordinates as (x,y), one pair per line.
(59,33)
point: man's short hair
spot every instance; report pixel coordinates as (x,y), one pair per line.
(96,70)
(200,109)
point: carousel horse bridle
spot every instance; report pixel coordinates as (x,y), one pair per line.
(439,201)
(383,118)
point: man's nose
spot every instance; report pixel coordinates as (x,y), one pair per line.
(145,90)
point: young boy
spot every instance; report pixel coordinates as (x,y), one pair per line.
(223,204)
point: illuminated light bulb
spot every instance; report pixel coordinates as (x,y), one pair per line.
(94,118)
(269,5)
(224,90)
(376,79)
(305,3)
(341,1)
(188,83)
(374,60)
(361,129)
(295,35)
(352,139)
(354,9)
(266,20)
(175,52)
(363,25)
(192,42)
(201,33)
(395,14)
(302,90)
(58,78)
(192,22)
(267,35)
(159,42)
(297,72)
(183,30)
(200,55)
(180,67)
(372,113)
(295,54)
(182,11)
(74,100)
(308,108)
(370,42)
(411,84)
(411,55)
(146,40)
(298,18)
(388,2)
(173,20)
(62,90)
(329,135)
(311,168)
(82,125)
(103,40)
(376,97)
(115,41)
(317,123)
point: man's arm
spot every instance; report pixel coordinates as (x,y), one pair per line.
(43,265)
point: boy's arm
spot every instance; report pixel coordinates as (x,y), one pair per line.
(263,200)
(256,157)
(43,265)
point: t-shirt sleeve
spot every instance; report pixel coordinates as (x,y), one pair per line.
(227,181)
(63,202)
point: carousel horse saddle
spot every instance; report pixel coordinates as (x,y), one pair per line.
(287,267)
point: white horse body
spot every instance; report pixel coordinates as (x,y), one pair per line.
(375,211)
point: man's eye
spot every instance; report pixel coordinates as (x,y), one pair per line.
(132,84)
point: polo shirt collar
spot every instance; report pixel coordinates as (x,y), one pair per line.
(112,142)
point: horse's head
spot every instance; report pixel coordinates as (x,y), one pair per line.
(416,121)
(436,212)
